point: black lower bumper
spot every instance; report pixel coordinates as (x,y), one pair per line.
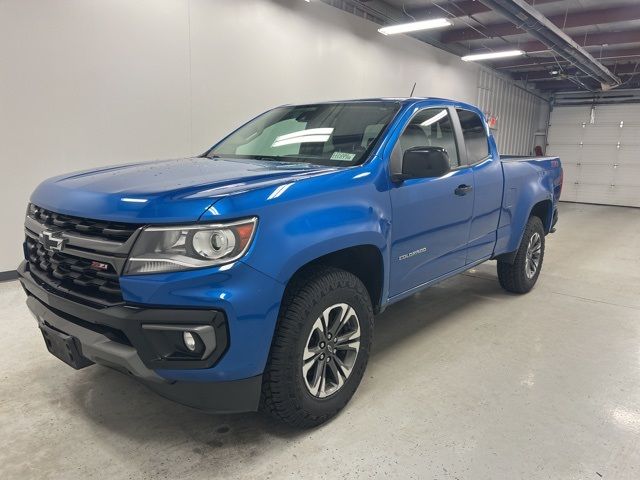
(116,337)
(138,327)
(236,396)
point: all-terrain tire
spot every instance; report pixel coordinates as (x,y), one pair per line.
(284,392)
(514,276)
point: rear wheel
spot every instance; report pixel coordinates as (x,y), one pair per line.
(521,275)
(320,348)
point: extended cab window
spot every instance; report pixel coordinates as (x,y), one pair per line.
(475,136)
(334,134)
(430,128)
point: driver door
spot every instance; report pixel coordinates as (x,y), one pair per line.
(431,216)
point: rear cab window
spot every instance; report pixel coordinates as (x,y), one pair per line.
(475,136)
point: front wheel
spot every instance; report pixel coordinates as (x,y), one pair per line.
(521,275)
(320,348)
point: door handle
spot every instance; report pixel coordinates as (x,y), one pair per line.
(463,189)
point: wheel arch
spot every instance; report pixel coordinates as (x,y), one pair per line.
(544,211)
(364,261)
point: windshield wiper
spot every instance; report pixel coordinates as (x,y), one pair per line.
(264,157)
(286,161)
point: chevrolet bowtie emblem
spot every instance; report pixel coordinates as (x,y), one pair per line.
(52,241)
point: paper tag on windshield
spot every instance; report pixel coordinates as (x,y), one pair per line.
(343,156)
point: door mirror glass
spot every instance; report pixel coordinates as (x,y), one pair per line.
(425,162)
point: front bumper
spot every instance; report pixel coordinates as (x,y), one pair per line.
(116,337)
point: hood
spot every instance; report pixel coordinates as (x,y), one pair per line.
(162,191)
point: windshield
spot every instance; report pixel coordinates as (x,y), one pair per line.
(334,134)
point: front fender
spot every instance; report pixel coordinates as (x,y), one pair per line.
(324,247)
(307,219)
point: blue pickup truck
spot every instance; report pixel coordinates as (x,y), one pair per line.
(248,277)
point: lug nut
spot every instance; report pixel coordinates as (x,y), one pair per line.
(329,336)
(321,344)
(322,356)
(328,359)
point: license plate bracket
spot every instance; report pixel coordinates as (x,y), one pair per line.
(65,347)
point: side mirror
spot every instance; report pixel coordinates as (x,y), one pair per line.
(424,162)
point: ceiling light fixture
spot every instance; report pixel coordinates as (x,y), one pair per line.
(492,55)
(415,26)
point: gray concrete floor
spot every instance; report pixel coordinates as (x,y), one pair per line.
(465,382)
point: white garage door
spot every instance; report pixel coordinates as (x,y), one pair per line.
(600,153)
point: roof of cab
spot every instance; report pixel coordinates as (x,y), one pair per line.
(404,100)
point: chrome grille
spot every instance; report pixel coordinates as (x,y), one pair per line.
(86,259)
(88,279)
(94,228)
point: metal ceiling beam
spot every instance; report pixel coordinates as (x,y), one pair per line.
(544,75)
(551,87)
(577,18)
(557,86)
(591,40)
(529,63)
(630,83)
(615,94)
(462,8)
(584,98)
(538,26)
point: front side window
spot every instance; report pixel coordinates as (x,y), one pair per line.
(334,134)
(475,136)
(431,127)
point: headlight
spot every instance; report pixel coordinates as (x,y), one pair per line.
(31,210)
(170,249)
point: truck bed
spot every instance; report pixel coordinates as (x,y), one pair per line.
(527,180)
(524,158)
(520,170)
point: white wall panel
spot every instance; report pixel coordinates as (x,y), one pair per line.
(519,113)
(289,52)
(565,135)
(570,115)
(628,154)
(600,154)
(626,175)
(86,83)
(614,114)
(630,135)
(601,134)
(569,192)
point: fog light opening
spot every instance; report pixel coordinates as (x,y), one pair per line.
(189,341)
